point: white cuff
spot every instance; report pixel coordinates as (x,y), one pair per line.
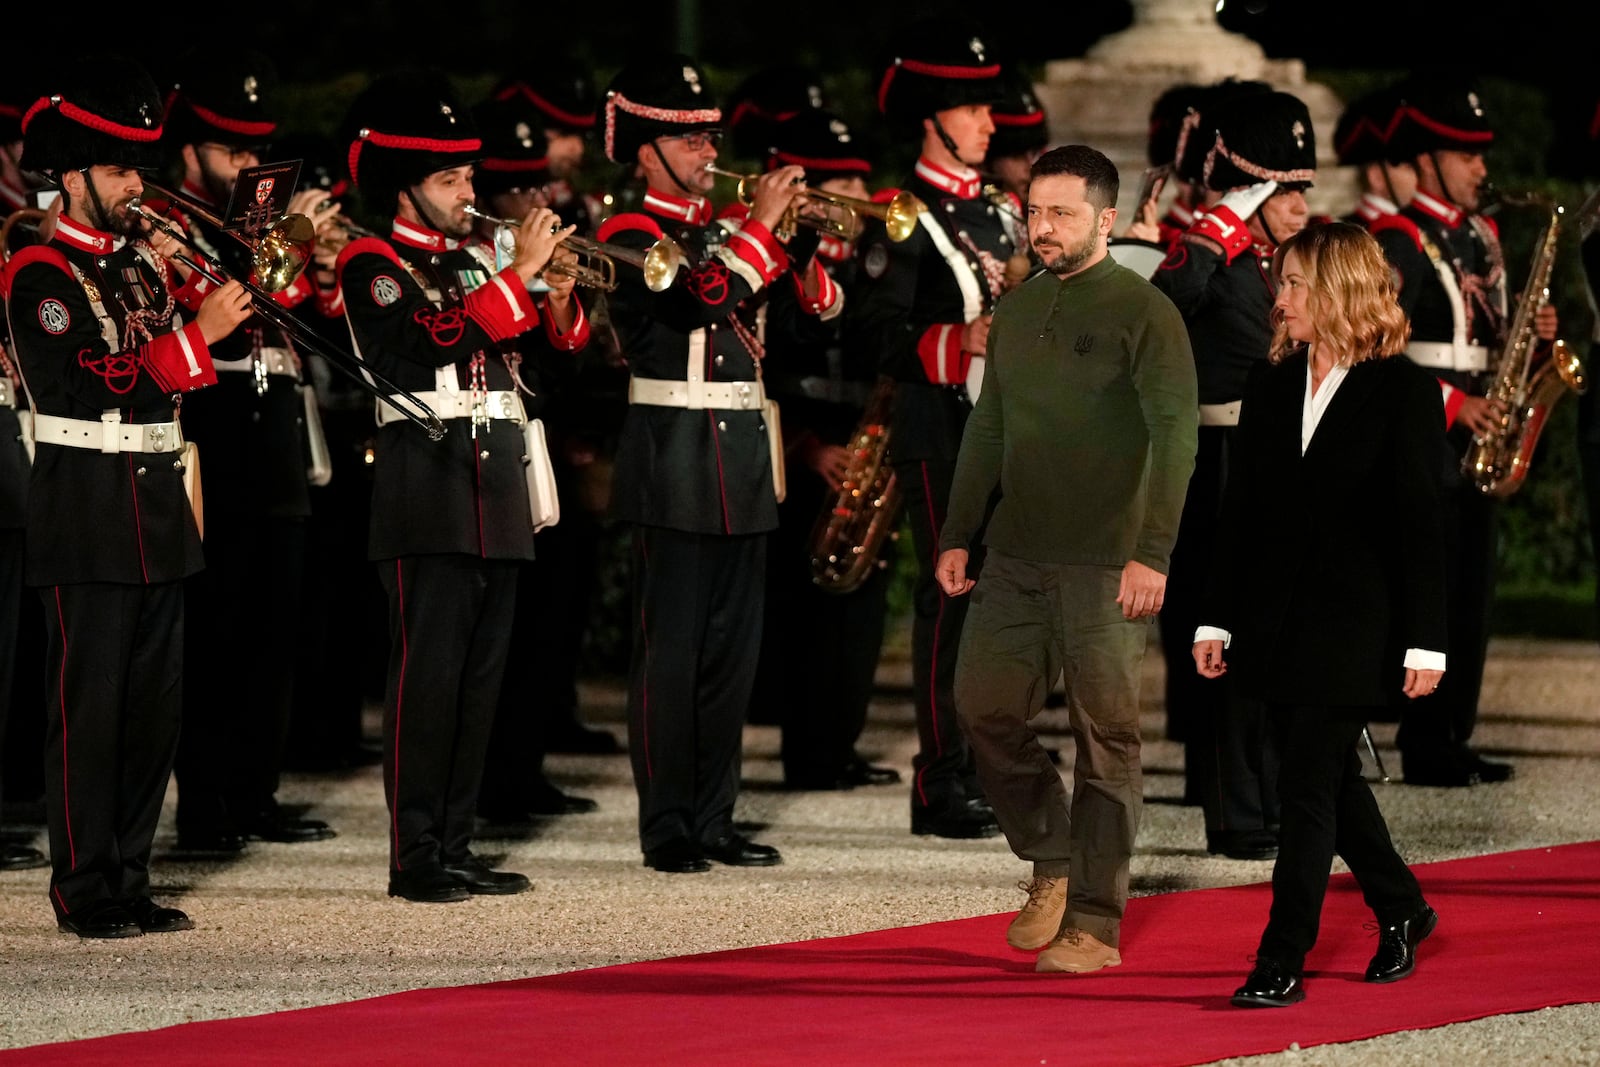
(1420,659)
(1216,633)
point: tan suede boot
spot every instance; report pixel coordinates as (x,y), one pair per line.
(1037,924)
(1075,952)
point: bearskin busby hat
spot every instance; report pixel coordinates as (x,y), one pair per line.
(1262,137)
(1366,129)
(819,141)
(766,98)
(938,65)
(1197,131)
(661,96)
(1020,126)
(1166,120)
(515,151)
(403,127)
(226,98)
(1443,114)
(320,164)
(107,111)
(562,94)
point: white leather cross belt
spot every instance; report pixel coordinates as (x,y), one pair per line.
(277,361)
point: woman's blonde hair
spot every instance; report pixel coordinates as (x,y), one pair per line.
(1351,294)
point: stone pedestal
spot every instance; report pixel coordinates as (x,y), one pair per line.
(1104,100)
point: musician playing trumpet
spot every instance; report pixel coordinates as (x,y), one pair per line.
(697,471)
(106,347)
(452,519)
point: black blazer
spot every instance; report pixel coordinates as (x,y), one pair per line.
(1329,565)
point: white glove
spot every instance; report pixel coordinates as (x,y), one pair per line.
(1225,221)
(1246,201)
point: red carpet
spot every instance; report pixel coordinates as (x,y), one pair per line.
(952,993)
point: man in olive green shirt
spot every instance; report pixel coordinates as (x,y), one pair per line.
(1087,424)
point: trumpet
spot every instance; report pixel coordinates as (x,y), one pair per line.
(596,265)
(841,215)
(277,258)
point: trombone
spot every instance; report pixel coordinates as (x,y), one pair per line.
(841,215)
(596,265)
(277,258)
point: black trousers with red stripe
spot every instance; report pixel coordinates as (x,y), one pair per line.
(450,631)
(943,770)
(697,609)
(114,699)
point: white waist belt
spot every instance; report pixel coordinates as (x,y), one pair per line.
(498,404)
(671,393)
(1220,414)
(8,399)
(1442,355)
(276,360)
(109,434)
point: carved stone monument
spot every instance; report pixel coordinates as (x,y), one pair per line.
(1104,100)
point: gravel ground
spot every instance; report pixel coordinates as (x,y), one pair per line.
(289,926)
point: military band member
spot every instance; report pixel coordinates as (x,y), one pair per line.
(107,348)
(819,649)
(1261,160)
(452,518)
(541,673)
(1366,139)
(559,99)
(1452,276)
(1021,134)
(252,434)
(922,307)
(695,471)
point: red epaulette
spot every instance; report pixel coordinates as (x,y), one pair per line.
(32,254)
(883,196)
(1401,223)
(629,220)
(736,210)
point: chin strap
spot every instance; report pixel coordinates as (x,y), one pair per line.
(946,139)
(422,212)
(670,172)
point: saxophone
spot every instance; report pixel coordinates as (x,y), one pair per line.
(1497,462)
(848,536)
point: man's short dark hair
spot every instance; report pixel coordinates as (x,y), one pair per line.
(1099,174)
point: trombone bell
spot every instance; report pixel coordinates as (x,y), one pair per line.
(283,252)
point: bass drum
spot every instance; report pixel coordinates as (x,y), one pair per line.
(1141,256)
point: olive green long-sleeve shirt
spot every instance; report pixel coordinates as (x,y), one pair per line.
(1087,420)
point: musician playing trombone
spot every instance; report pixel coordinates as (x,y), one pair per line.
(453,518)
(107,347)
(252,434)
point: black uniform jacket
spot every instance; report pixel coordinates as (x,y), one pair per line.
(98,516)
(1328,565)
(417,305)
(705,470)
(1228,309)
(252,443)
(1470,249)
(913,297)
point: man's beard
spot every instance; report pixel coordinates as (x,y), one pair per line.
(1071,260)
(117,218)
(218,189)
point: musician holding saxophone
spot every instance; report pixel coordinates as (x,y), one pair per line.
(252,433)
(107,348)
(820,645)
(1452,275)
(453,518)
(922,310)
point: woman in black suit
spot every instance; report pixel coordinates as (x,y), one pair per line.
(1328,590)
